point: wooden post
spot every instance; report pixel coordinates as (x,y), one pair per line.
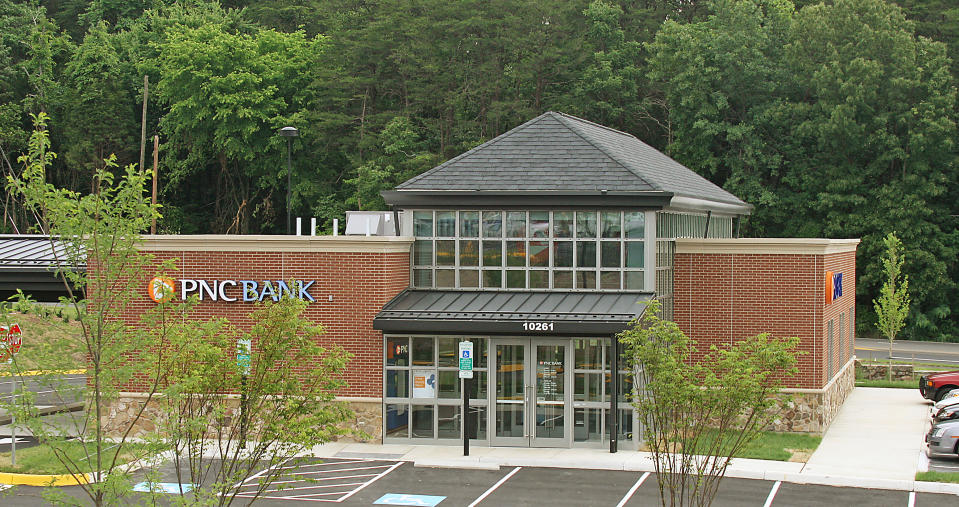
(156,158)
(143,121)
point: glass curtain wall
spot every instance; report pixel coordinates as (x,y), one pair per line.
(423,401)
(537,250)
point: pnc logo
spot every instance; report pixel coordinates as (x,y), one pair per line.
(833,286)
(161,289)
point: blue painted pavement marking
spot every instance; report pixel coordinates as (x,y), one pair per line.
(173,488)
(403,499)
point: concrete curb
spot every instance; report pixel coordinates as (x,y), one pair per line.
(44,480)
(56,409)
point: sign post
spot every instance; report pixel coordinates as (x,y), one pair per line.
(466,373)
(243,351)
(10,341)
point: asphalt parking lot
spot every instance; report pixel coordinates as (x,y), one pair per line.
(359,481)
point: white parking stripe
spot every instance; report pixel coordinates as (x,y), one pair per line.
(494,486)
(324,463)
(632,490)
(371,481)
(912,499)
(312,481)
(772,494)
(281,490)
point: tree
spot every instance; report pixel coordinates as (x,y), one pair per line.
(100,231)
(228,92)
(835,121)
(892,306)
(701,408)
(283,410)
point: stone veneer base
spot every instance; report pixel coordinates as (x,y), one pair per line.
(813,410)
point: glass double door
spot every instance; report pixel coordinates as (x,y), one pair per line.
(530,401)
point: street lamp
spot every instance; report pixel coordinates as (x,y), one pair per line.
(289,133)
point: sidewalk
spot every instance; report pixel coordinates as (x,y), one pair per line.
(876,442)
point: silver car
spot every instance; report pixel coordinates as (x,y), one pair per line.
(943,437)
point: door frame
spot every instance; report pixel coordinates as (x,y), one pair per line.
(529,403)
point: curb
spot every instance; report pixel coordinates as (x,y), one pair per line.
(34,373)
(56,409)
(43,480)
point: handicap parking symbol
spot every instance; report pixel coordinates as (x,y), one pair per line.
(404,499)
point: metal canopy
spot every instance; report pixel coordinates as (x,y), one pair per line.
(29,263)
(512,313)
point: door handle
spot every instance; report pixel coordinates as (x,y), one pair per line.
(530,412)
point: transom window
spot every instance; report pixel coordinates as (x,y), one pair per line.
(562,250)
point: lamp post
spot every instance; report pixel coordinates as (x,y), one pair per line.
(289,133)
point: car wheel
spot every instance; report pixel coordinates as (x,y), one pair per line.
(942,392)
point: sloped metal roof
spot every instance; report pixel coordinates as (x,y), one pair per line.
(500,312)
(31,252)
(556,152)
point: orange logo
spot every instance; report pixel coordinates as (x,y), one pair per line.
(161,289)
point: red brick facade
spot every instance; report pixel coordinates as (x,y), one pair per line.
(354,278)
(730,289)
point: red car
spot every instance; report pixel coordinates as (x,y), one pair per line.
(934,387)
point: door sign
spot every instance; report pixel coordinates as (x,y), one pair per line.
(424,384)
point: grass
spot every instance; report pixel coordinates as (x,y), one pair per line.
(775,446)
(937,476)
(900,384)
(42,460)
(43,335)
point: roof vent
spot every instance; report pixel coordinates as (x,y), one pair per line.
(370,223)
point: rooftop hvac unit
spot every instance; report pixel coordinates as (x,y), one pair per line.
(370,223)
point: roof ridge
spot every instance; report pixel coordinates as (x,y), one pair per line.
(471,150)
(604,127)
(655,184)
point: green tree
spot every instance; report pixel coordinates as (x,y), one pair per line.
(835,121)
(99,230)
(283,411)
(892,306)
(228,93)
(699,408)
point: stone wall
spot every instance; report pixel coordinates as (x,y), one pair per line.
(879,371)
(367,423)
(813,410)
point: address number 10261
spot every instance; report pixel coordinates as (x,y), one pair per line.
(537,326)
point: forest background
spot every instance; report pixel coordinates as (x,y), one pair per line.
(834,119)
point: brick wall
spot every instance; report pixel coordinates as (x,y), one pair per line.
(731,289)
(354,278)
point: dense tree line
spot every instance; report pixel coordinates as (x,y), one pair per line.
(835,118)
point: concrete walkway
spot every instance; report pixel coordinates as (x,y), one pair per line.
(878,434)
(876,441)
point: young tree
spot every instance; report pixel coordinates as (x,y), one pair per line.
(892,307)
(98,231)
(699,409)
(282,409)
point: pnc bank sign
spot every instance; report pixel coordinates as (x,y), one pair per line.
(833,286)
(164,289)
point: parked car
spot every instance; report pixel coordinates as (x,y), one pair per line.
(947,413)
(934,387)
(945,402)
(943,437)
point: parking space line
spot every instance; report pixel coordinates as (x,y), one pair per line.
(323,463)
(772,494)
(335,470)
(494,486)
(281,490)
(371,481)
(308,481)
(912,499)
(632,490)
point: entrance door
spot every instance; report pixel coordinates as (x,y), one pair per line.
(529,393)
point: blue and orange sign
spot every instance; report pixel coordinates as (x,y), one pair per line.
(833,286)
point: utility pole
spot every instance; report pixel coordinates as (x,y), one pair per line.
(156,157)
(143,121)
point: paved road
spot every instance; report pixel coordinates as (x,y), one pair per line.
(63,390)
(353,482)
(926,352)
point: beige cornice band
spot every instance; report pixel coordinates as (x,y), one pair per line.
(782,246)
(263,243)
